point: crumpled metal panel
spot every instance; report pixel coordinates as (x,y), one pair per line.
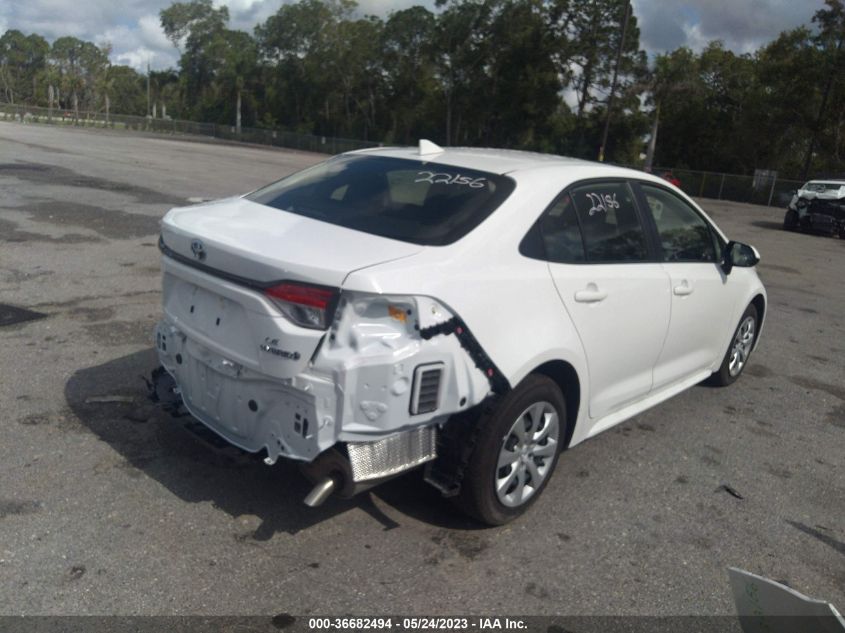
(394,454)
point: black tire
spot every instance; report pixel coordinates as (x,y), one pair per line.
(478,496)
(723,376)
(790,220)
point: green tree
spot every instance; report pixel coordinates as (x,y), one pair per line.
(303,45)
(410,86)
(829,41)
(463,44)
(22,61)
(127,90)
(668,81)
(197,30)
(77,64)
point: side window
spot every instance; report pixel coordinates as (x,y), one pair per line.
(561,234)
(684,234)
(611,227)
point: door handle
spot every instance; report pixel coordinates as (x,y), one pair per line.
(591,294)
(683,289)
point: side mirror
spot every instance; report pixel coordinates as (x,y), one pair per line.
(740,255)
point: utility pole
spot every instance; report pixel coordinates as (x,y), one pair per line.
(238,114)
(652,141)
(148,86)
(615,79)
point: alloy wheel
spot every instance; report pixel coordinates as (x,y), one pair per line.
(527,454)
(743,342)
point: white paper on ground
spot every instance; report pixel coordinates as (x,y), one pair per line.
(766,606)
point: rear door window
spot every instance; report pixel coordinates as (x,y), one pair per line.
(610,224)
(409,200)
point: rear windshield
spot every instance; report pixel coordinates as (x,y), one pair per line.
(409,200)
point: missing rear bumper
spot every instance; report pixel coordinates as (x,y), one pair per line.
(392,455)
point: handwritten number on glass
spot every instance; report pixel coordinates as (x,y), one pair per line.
(449,179)
(602,202)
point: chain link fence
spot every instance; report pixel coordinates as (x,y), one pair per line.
(768,190)
(278,138)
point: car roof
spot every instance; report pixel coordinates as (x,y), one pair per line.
(497,161)
(826,181)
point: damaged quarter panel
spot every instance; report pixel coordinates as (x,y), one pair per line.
(375,350)
(509,302)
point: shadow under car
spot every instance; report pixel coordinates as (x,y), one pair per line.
(111,400)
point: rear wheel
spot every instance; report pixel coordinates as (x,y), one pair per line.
(516,453)
(790,220)
(739,350)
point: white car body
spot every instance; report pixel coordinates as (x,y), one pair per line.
(624,336)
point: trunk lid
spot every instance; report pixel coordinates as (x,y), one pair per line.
(261,244)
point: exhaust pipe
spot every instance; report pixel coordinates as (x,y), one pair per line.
(331,473)
(320,492)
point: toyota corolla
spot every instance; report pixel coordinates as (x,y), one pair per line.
(473,312)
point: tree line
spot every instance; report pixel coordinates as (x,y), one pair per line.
(546,75)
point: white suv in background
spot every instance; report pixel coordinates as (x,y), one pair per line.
(473,310)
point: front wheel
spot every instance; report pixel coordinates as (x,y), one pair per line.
(516,452)
(739,350)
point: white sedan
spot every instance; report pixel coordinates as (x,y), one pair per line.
(475,311)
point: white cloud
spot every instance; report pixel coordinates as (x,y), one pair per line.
(151,33)
(743,25)
(138,59)
(140,43)
(238,6)
(695,39)
(385,7)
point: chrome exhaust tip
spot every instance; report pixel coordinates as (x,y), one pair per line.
(320,492)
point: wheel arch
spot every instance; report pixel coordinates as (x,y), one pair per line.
(566,377)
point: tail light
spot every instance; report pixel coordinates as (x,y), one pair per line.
(307,306)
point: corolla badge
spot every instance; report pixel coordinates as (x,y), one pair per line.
(271,345)
(198,249)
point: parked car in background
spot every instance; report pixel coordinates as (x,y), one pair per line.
(475,311)
(818,206)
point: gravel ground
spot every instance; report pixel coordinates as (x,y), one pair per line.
(109,506)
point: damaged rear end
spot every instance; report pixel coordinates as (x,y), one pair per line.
(266,347)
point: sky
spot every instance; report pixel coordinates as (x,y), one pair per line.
(133,30)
